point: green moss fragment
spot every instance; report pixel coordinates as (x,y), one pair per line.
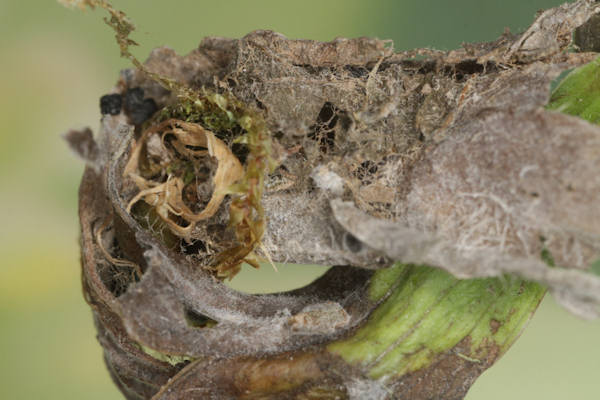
(207,114)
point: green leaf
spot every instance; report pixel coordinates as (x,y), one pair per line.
(427,312)
(579,93)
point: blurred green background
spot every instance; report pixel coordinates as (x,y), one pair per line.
(54,65)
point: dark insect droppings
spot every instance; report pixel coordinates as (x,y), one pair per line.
(111,104)
(137,108)
(133,98)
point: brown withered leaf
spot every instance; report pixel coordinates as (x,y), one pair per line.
(166,197)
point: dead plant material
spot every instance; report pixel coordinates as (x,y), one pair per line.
(109,257)
(189,145)
(369,156)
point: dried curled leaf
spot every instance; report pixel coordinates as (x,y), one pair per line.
(167,197)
